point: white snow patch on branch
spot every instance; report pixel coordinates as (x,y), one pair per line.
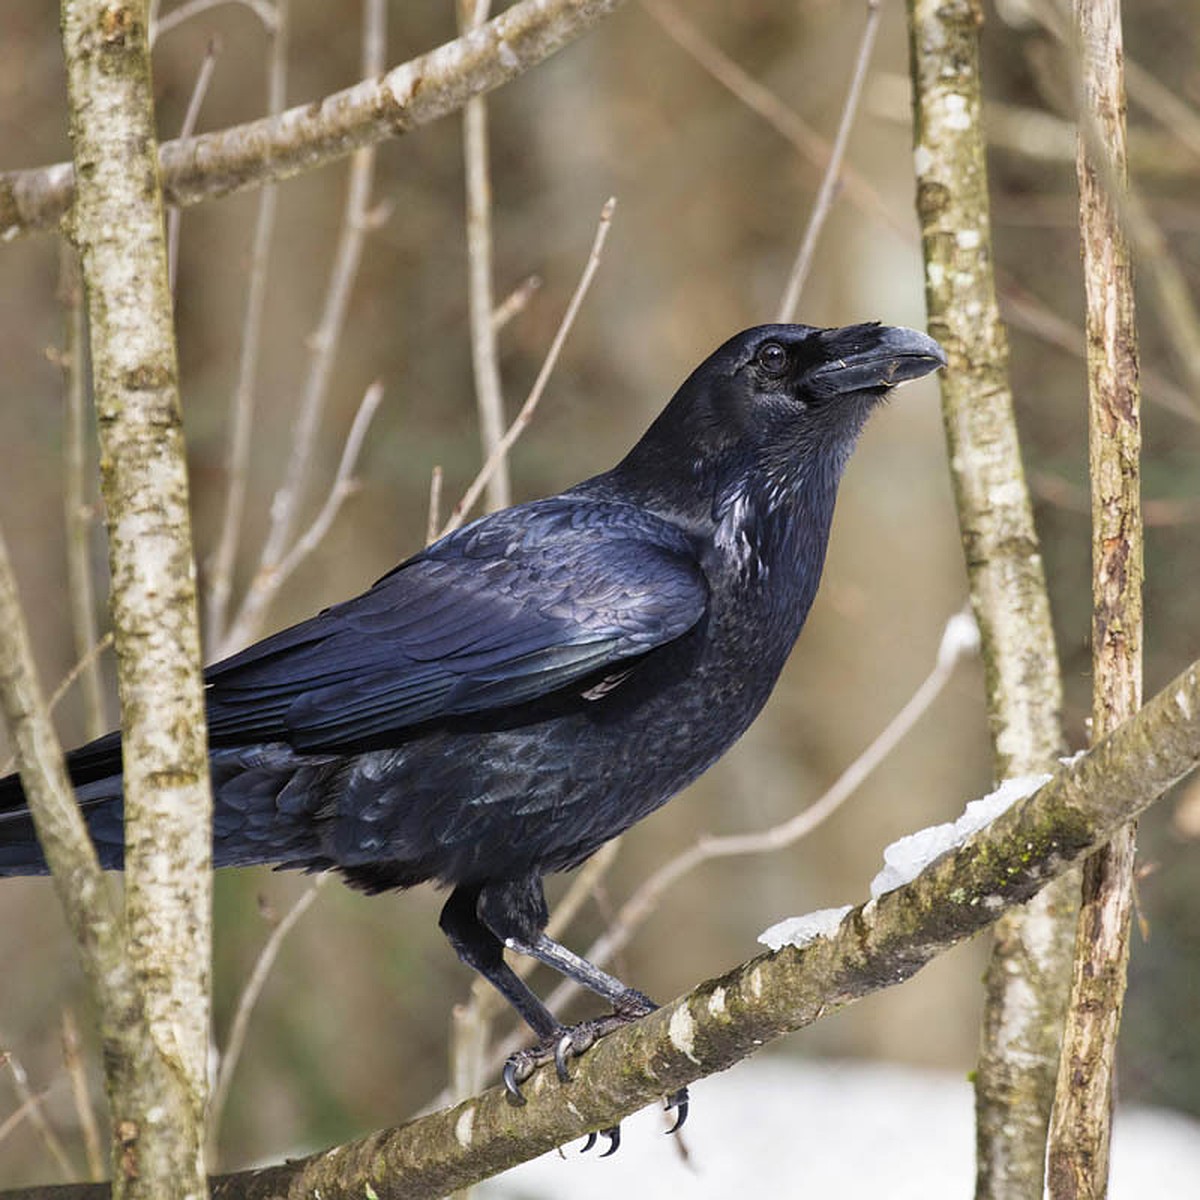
(905,859)
(799,931)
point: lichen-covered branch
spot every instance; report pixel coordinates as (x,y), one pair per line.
(1081,1127)
(725,1020)
(1029,968)
(117,226)
(312,135)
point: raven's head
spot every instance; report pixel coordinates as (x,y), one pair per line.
(773,412)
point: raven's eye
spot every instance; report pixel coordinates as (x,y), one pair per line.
(772,358)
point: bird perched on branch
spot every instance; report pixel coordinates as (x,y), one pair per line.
(517,694)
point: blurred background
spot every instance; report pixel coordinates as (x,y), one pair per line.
(352,1030)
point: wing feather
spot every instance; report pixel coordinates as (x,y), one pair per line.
(507,610)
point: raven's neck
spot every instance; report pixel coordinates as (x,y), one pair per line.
(762,532)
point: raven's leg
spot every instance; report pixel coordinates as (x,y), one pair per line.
(515,912)
(480,948)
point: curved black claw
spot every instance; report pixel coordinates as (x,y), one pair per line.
(679,1102)
(562,1048)
(513,1078)
(613,1133)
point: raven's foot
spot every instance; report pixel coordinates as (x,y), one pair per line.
(559,1048)
(571,1042)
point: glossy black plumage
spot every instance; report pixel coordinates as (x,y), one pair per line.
(512,697)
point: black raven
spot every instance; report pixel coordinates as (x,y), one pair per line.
(510,698)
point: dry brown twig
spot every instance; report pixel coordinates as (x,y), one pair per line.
(266,12)
(358,219)
(241,419)
(190,119)
(310,135)
(81,1096)
(831,180)
(247,1001)
(788,123)
(525,415)
(481,304)
(1080,1131)
(78,512)
(31,1108)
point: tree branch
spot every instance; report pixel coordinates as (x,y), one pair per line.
(241,415)
(481,304)
(157,1098)
(312,135)
(1027,974)
(831,181)
(724,1020)
(1082,1125)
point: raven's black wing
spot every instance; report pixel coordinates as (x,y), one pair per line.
(504,611)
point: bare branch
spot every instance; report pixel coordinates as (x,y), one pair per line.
(832,178)
(434,519)
(157,1091)
(314,134)
(523,418)
(241,420)
(788,123)
(190,119)
(485,362)
(73,1061)
(32,1108)
(357,221)
(267,13)
(269,582)
(1081,1129)
(79,513)
(516,301)
(247,1000)
(1025,985)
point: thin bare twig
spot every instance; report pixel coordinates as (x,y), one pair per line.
(1159,265)
(516,301)
(266,12)
(73,1061)
(20,1113)
(1026,312)
(241,419)
(8,765)
(247,1000)
(485,362)
(523,417)
(788,123)
(79,513)
(959,641)
(434,520)
(31,1108)
(190,119)
(344,485)
(357,221)
(832,178)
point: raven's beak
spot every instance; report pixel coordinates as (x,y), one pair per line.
(867,357)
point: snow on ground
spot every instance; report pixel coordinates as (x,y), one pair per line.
(780,1127)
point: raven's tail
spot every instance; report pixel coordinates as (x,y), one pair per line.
(270,805)
(95,771)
